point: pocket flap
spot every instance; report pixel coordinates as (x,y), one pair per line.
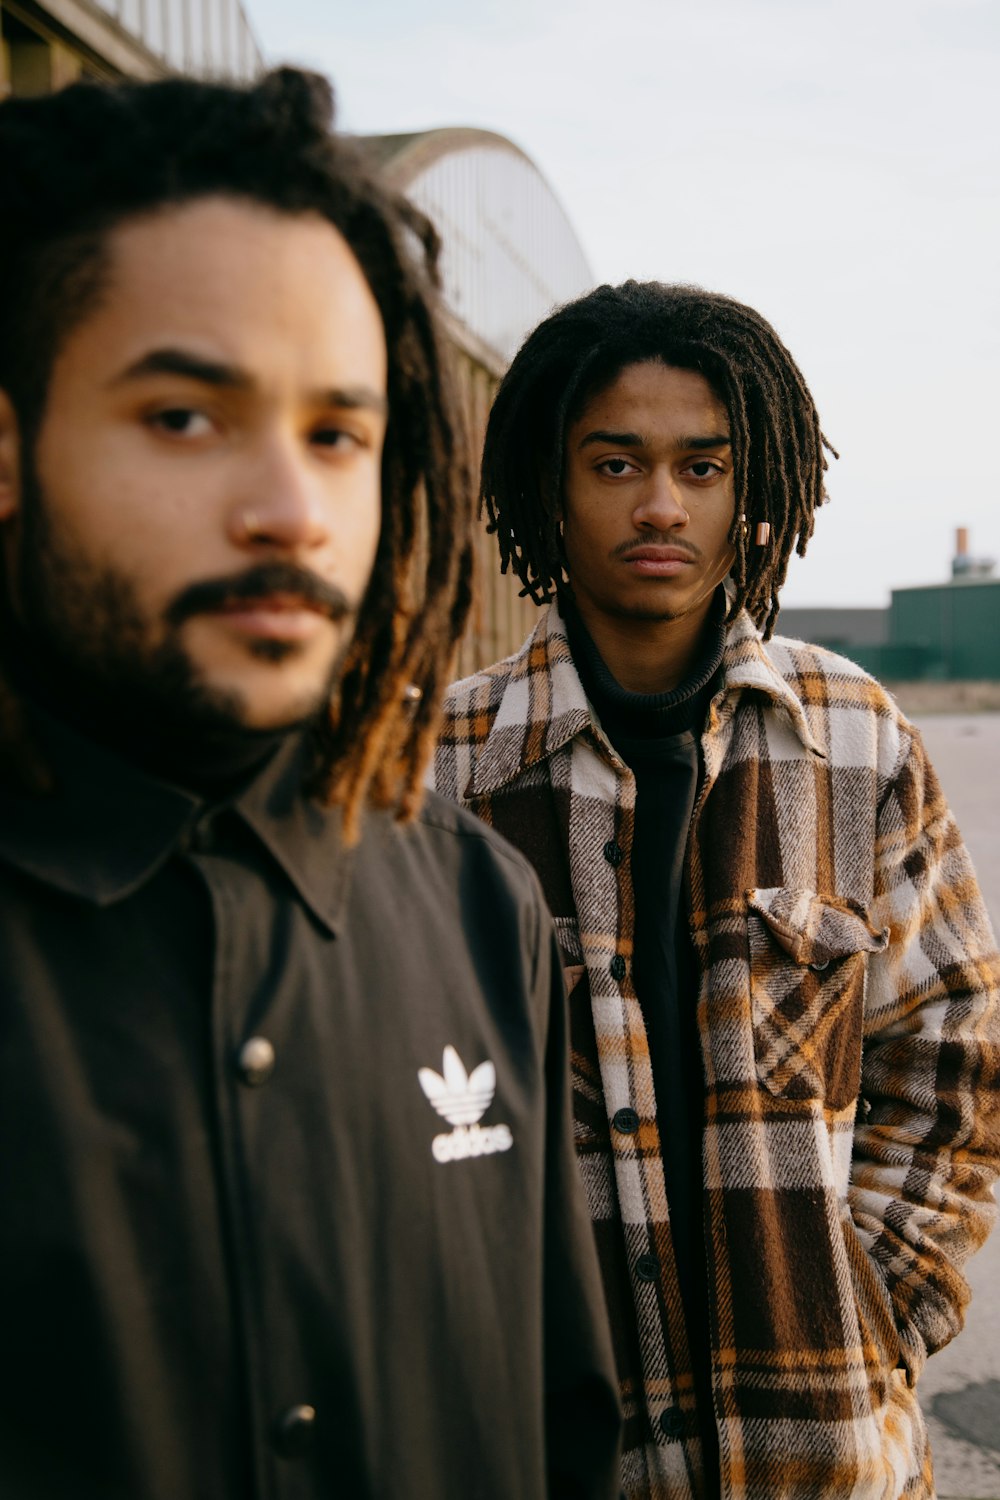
(816,929)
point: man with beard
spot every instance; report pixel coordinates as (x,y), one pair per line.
(252,1241)
(783,984)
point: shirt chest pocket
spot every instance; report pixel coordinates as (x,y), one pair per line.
(808,959)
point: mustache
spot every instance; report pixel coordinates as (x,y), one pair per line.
(260,583)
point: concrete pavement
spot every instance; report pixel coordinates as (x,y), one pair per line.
(960,1386)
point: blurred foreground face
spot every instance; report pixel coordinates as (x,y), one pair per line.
(199,516)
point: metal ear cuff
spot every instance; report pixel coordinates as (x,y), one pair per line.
(763,533)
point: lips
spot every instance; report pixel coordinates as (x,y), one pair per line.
(270,604)
(658,554)
(286,617)
(657,562)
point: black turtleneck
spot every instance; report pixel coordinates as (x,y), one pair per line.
(657,735)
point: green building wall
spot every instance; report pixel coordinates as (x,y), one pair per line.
(945,631)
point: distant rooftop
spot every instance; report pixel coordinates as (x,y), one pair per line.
(834,626)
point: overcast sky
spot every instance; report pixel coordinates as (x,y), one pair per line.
(832,162)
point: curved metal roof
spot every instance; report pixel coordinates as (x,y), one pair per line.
(509,251)
(210,38)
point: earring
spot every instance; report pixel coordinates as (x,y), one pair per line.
(763,534)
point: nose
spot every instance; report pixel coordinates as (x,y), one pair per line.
(660,506)
(281,503)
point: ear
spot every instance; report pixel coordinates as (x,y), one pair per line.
(10,460)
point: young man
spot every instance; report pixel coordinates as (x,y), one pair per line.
(253,1242)
(782,980)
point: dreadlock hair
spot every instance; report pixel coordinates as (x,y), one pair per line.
(777,444)
(76,165)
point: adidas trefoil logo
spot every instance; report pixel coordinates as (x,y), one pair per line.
(462,1099)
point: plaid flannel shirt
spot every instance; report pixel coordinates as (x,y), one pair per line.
(850,1054)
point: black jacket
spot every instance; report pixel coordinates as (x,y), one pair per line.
(288,1203)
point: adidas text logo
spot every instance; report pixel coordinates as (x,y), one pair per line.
(462,1099)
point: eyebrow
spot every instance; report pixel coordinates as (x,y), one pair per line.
(230,377)
(635,440)
(614,439)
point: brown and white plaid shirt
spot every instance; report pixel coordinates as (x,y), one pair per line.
(850,1055)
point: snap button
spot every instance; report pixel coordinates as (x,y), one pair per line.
(616,967)
(613,853)
(647,1268)
(672,1422)
(204,837)
(292,1431)
(255,1061)
(820,965)
(625,1120)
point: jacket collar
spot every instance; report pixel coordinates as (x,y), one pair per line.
(747,666)
(107,827)
(544,706)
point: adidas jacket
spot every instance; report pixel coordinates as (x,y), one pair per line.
(850,1056)
(289,1206)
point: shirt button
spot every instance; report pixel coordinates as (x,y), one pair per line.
(672,1422)
(626,1121)
(647,1268)
(616,967)
(292,1431)
(255,1063)
(204,839)
(613,853)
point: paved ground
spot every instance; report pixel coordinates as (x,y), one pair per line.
(960,1387)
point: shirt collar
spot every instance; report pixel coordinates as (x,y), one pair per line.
(107,827)
(301,836)
(543,705)
(747,666)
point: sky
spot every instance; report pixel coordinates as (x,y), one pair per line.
(834,163)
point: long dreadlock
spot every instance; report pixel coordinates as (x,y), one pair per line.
(777,445)
(76,165)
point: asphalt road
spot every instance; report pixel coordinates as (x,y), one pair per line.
(960,1386)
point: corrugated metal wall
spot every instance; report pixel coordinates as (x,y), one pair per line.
(500,620)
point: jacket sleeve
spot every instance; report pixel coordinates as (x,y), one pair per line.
(582,1418)
(927,1136)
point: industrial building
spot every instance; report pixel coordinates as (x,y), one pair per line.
(948,631)
(509,255)
(45,44)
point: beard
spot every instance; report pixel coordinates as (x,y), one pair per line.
(87,649)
